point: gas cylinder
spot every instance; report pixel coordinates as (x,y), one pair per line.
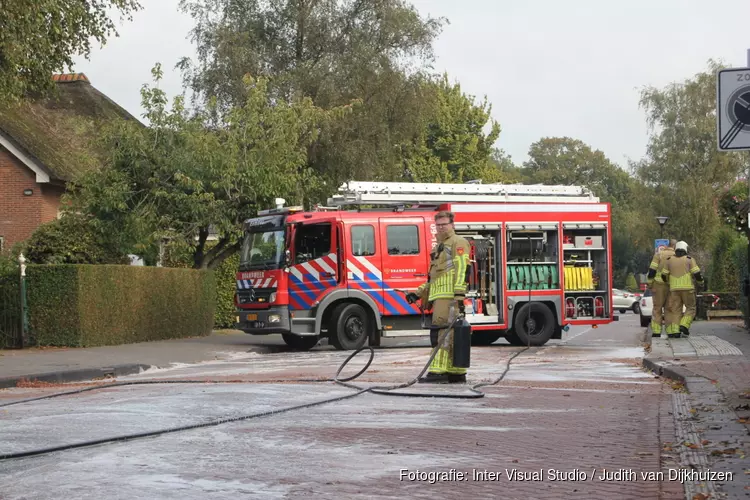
(599,307)
(570,307)
(462,343)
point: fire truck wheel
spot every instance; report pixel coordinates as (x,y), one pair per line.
(299,343)
(485,337)
(349,327)
(534,324)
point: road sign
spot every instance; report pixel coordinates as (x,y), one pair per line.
(660,244)
(733,109)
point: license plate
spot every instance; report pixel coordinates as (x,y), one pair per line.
(252,317)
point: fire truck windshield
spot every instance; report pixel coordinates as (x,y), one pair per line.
(262,250)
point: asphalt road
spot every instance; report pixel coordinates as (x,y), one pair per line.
(570,409)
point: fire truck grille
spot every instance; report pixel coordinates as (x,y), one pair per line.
(254,296)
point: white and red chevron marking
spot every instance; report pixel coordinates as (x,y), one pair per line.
(257,283)
(325,264)
(370,267)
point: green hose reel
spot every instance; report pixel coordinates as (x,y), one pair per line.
(532,277)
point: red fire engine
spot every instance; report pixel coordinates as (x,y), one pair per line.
(540,261)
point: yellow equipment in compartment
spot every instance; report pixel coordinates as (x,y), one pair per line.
(578,278)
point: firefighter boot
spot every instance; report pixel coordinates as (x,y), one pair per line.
(435,378)
(455,378)
(655,329)
(673,331)
(684,331)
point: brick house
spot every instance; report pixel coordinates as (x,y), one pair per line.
(43,145)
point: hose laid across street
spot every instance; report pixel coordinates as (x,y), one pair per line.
(383,390)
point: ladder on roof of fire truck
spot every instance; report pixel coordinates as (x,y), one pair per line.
(379,193)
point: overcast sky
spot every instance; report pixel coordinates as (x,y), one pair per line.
(548,67)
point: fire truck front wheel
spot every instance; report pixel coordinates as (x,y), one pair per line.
(534,324)
(349,327)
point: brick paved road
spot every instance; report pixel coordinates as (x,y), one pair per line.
(713,417)
(582,404)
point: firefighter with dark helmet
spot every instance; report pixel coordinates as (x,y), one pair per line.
(678,272)
(444,292)
(659,288)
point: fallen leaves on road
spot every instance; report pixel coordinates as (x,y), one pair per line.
(700,496)
(39,384)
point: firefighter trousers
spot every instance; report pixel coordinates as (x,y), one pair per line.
(660,296)
(443,314)
(675,318)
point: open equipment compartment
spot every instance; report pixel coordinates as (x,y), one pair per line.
(484,287)
(585,276)
(533,255)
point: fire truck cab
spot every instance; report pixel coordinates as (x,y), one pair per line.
(540,261)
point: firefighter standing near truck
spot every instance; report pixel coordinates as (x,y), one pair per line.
(444,293)
(659,288)
(678,271)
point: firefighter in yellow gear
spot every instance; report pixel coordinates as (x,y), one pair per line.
(444,293)
(659,288)
(678,272)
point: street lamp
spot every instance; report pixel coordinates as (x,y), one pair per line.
(662,220)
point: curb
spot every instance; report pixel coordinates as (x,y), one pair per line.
(663,369)
(63,376)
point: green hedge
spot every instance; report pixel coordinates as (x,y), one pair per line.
(226,286)
(93,305)
(739,252)
(181,256)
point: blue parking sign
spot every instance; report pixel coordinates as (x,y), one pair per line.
(660,244)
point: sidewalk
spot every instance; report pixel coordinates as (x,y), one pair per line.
(58,365)
(712,418)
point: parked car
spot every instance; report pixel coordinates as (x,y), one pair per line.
(647,308)
(626,301)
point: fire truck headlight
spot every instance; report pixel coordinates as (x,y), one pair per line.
(272,297)
(274,318)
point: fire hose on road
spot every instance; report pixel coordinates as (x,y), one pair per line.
(474,393)
(382,390)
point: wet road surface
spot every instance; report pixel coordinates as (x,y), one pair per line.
(562,414)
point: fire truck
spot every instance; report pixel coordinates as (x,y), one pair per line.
(541,260)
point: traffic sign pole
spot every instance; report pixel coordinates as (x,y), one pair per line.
(733,128)
(747,216)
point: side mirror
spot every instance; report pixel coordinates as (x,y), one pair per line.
(287,260)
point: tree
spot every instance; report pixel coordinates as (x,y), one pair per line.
(71,239)
(732,207)
(329,50)
(509,172)
(452,145)
(564,160)
(38,39)
(682,163)
(187,174)
(631,284)
(568,161)
(723,272)
(332,51)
